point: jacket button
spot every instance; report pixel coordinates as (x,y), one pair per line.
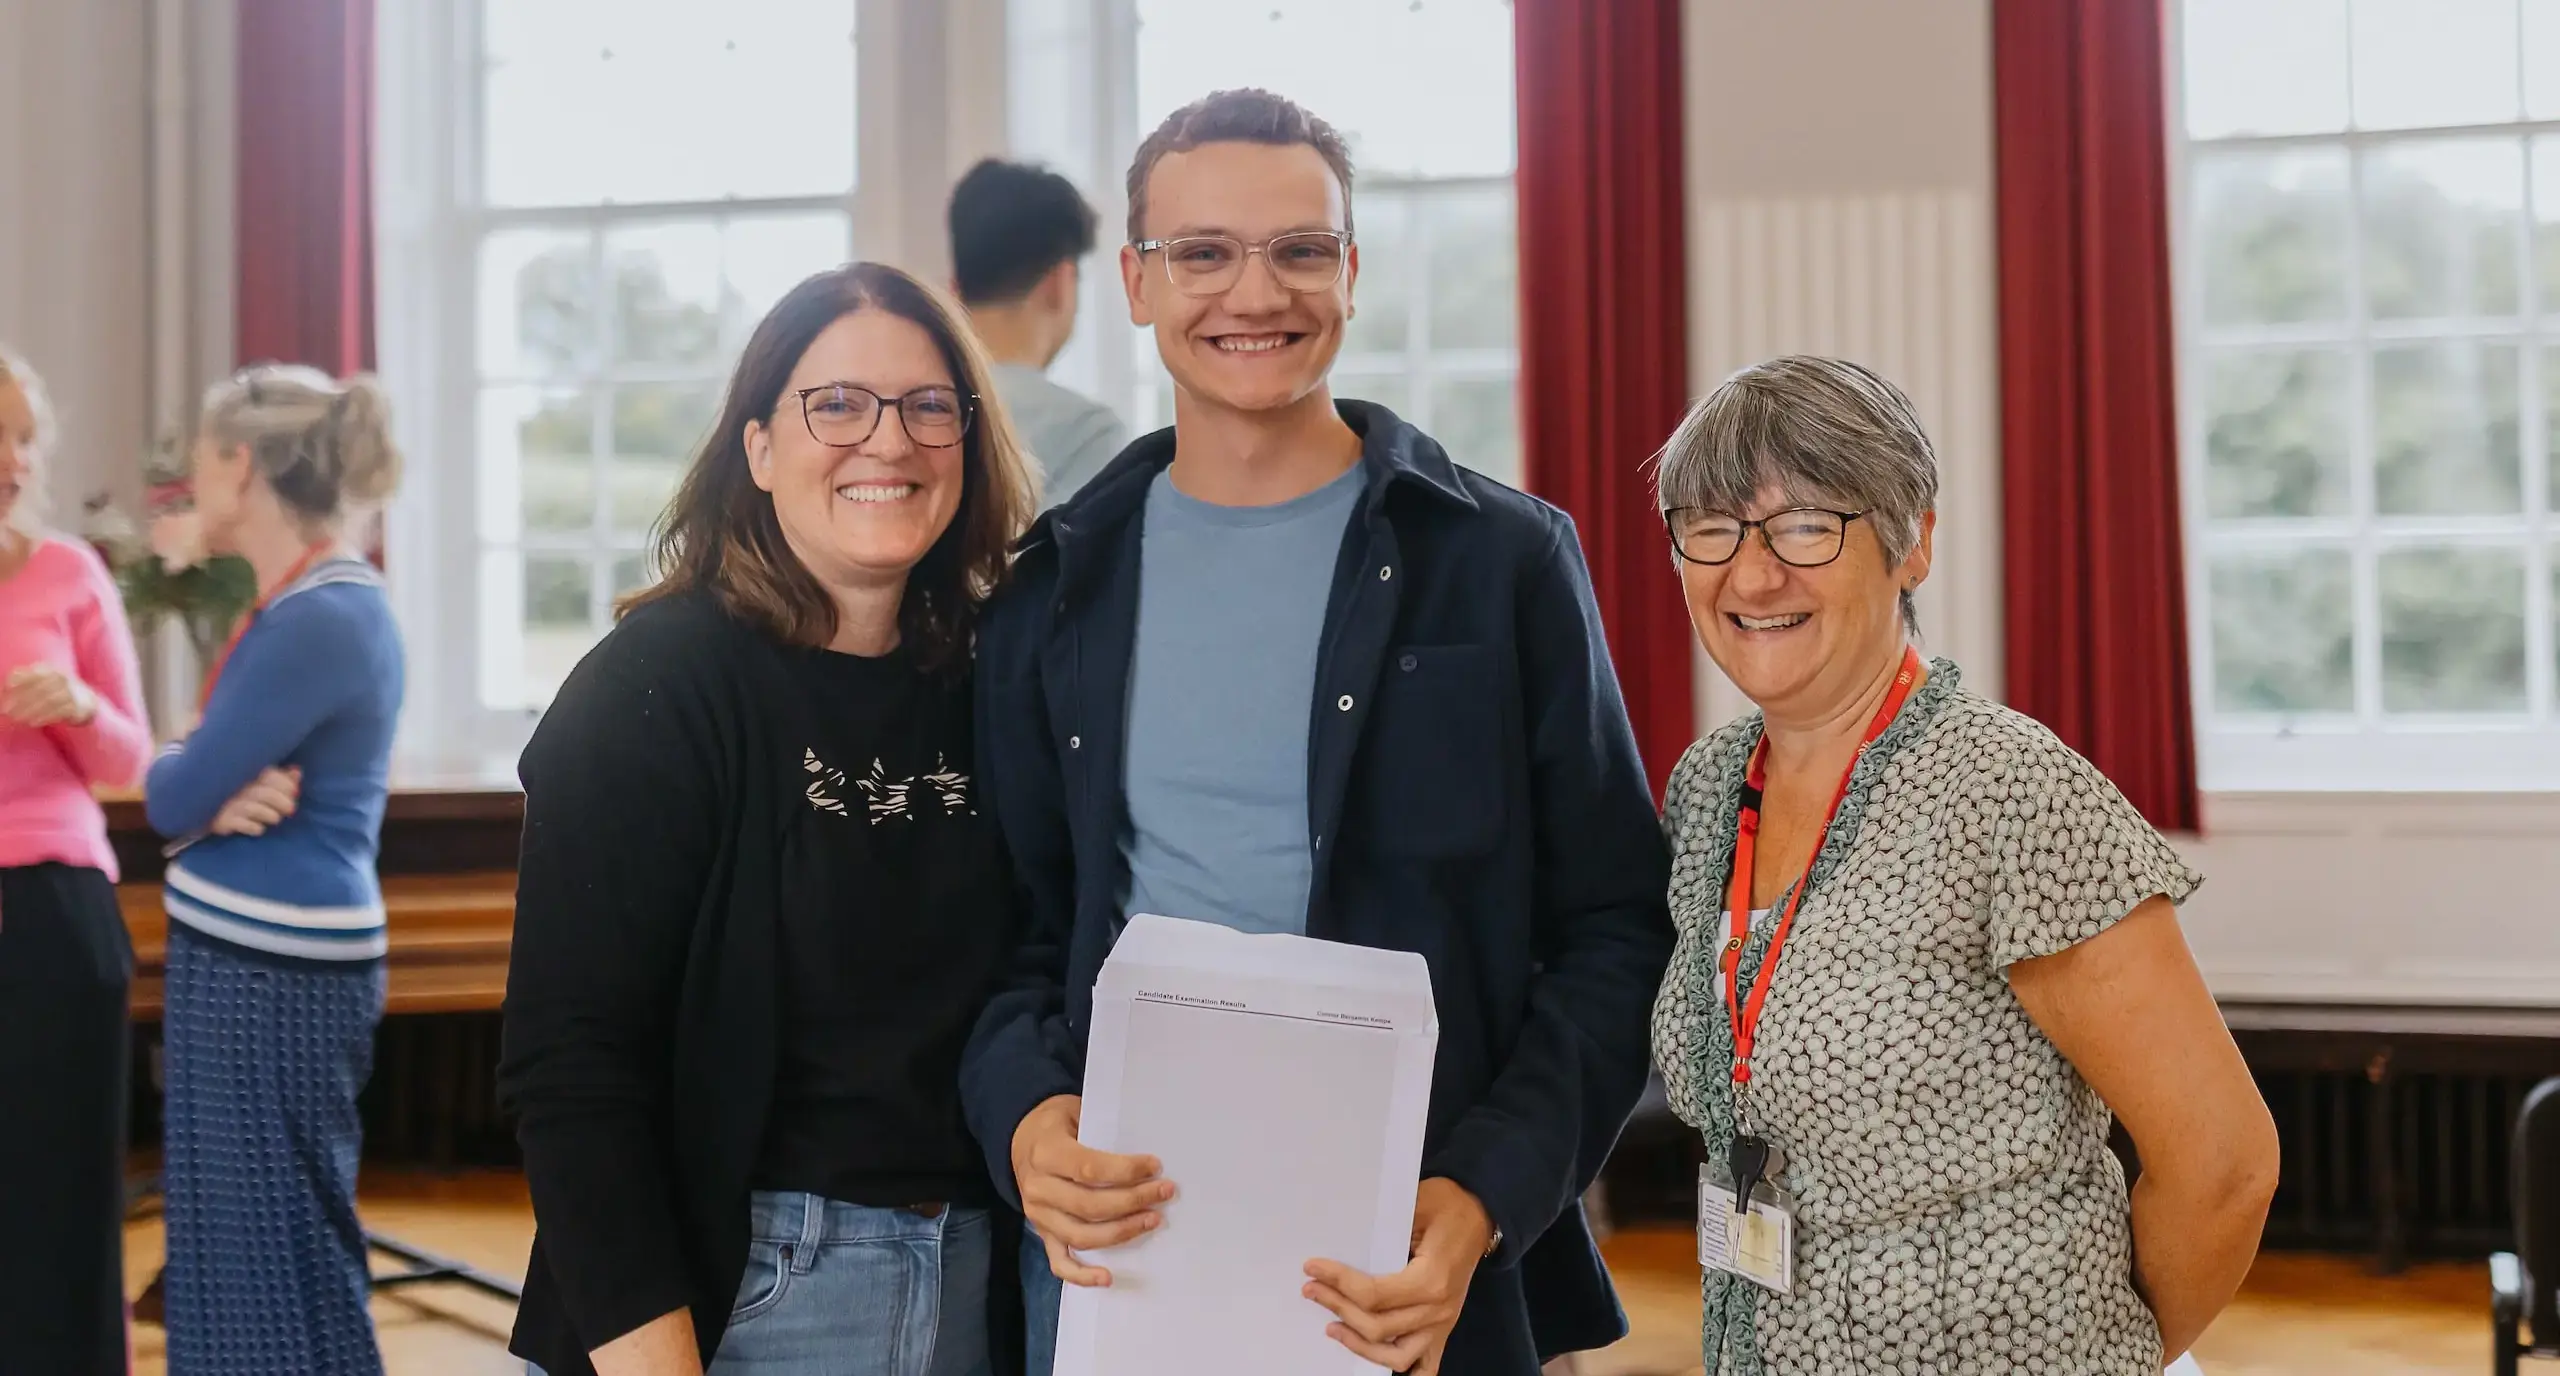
(1075,742)
(1385,573)
(1344,703)
(1407,663)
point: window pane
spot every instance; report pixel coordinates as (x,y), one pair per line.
(762,259)
(656,429)
(2452,630)
(2440,223)
(2551,420)
(2421,62)
(558,627)
(666,293)
(546,439)
(2283,632)
(2546,220)
(604,101)
(2542,59)
(538,315)
(1479,423)
(2264,66)
(2276,433)
(630,574)
(2271,236)
(1356,63)
(1475,269)
(1388,273)
(2445,429)
(1389,390)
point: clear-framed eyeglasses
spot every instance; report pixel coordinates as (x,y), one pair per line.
(1211,264)
(841,415)
(1805,537)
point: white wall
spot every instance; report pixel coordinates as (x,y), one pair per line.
(75,280)
(1840,202)
(1841,198)
(116,235)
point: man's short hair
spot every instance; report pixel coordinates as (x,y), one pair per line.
(1010,224)
(1249,115)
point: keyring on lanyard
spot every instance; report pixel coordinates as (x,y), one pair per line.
(1744,1009)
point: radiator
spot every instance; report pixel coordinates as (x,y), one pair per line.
(2425,1165)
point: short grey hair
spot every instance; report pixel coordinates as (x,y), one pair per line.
(1822,431)
(29,514)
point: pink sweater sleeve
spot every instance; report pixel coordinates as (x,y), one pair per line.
(115,746)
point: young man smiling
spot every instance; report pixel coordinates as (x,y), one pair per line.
(1287,667)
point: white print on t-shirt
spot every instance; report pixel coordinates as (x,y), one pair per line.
(885,797)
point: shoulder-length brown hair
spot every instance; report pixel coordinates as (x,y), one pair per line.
(720,532)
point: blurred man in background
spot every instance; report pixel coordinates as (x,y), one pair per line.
(1018,234)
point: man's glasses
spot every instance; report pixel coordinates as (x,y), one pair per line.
(1806,537)
(1211,264)
(841,415)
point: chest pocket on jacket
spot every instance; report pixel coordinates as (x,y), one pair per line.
(1431,755)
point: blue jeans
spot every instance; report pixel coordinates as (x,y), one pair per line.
(836,1289)
(1041,1292)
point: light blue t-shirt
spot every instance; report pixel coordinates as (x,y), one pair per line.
(1231,604)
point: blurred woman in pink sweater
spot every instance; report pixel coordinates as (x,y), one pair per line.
(70,719)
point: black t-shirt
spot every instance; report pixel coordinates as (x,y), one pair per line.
(895,920)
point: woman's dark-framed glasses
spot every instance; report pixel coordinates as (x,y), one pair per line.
(1805,537)
(1212,264)
(841,415)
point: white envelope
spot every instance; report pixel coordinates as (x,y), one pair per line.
(1284,1083)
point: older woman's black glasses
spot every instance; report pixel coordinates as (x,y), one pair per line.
(1806,537)
(841,415)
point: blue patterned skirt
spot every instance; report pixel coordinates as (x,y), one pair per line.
(267,1269)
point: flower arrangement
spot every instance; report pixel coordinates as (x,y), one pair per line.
(164,574)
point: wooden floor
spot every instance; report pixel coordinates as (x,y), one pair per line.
(2300,1316)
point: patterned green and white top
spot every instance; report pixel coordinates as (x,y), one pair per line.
(1958,1208)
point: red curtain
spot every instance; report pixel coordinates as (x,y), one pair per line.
(1604,369)
(305,183)
(2096,625)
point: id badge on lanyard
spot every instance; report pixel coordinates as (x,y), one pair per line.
(1758,1242)
(1746,1221)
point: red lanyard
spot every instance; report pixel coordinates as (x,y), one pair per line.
(1745,1011)
(300,567)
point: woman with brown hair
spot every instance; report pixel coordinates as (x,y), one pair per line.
(757,906)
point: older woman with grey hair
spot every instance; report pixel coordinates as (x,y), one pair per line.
(1925,952)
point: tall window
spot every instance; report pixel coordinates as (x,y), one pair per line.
(2370,321)
(638,181)
(1435,337)
(638,215)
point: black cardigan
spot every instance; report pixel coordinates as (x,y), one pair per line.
(641,1036)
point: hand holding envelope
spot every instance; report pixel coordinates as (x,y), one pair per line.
(1079,1199)
(1402,1321)
(1286,1081)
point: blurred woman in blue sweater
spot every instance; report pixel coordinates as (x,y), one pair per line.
(276,933)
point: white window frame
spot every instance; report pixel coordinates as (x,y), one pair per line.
(2364,750)
(429,227)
